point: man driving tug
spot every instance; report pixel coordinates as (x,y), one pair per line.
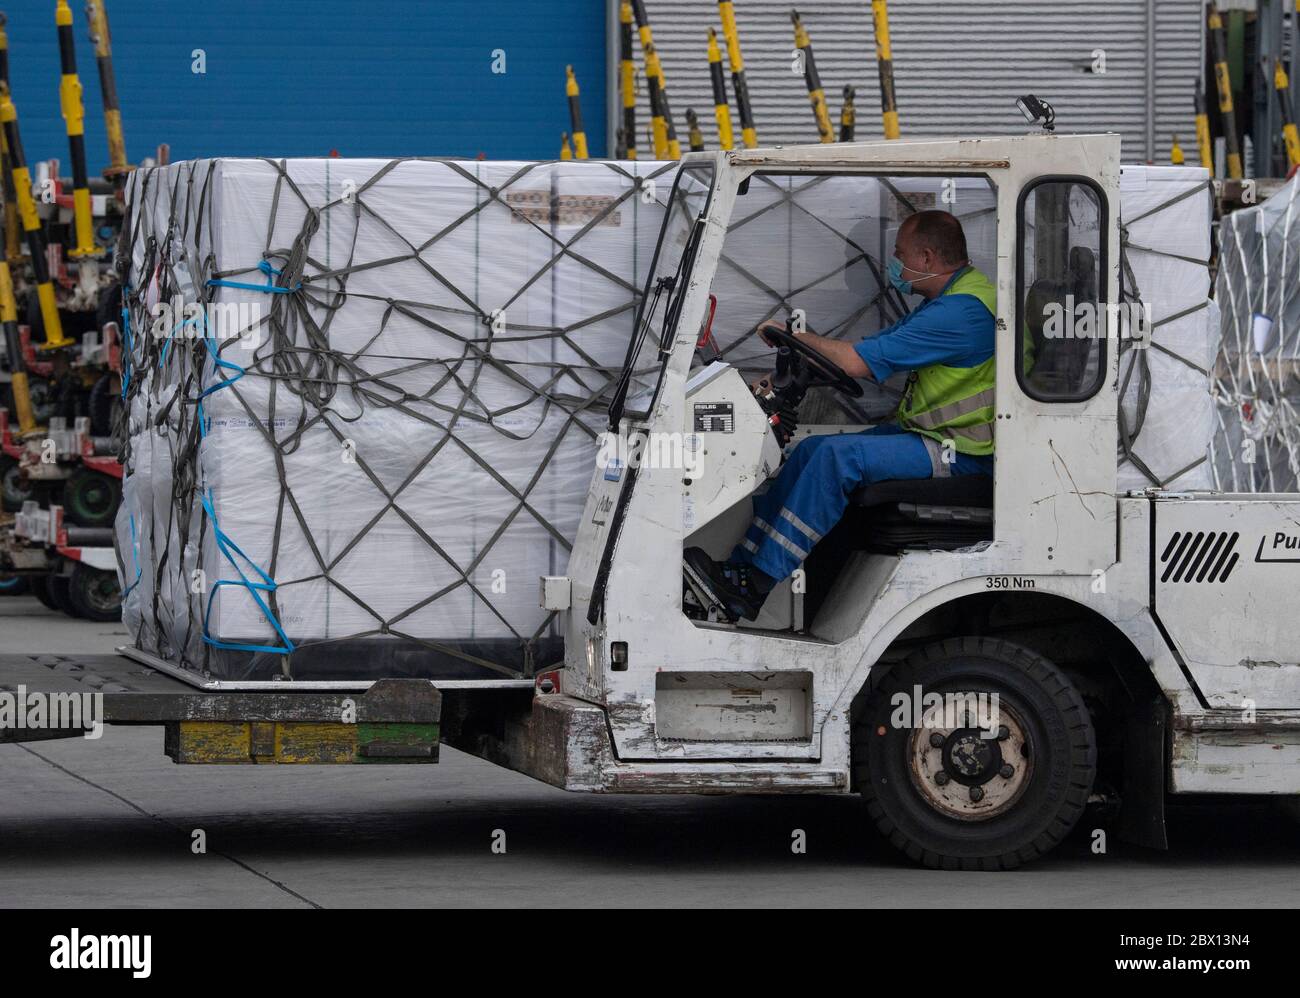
(944,422)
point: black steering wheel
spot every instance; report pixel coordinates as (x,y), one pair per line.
(825,372)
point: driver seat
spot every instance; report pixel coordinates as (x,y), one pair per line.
(933,514)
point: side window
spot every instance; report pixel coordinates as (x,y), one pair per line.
(1061,353)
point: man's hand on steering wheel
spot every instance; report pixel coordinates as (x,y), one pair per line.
(823,370)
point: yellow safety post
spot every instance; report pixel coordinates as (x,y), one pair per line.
(721,111)
(665,132)
(13,346)
(54,337)
(566,153)
(74,117)
(693,133)
(1282,83)
(748,134)
(848,114)
(1176,157)
(575,114)
(816,95)
(97,16)
(885,64)
(1224,82)
(627,77)
(1204,146)
(12,224)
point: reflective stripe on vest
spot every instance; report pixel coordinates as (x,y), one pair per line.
(956,395)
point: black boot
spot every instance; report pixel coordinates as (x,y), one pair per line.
(738,588)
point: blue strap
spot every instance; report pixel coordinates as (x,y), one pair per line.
(270,287)
(231,550)
(135,555)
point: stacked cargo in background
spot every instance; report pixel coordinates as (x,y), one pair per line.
(1257,440)
(365,470)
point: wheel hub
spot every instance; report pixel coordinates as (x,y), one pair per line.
(966,766)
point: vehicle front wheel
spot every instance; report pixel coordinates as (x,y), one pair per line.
(974,754)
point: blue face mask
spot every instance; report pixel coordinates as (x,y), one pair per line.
(896,269)
(896,276)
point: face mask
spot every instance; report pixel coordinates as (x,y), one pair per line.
(896,269)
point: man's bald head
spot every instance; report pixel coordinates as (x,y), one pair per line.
(940,233)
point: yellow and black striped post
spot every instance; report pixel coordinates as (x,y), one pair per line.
(12,225)
(1224,81)
(848,114)
(14,348)
(566,152)
(74,117)
(1176,157)
(816,95)
(665,132)
(1282,83)
(627,78)
(575,114)
(748,134)
(97,16)
(693,133)
(1204,147)
(54,337)
(721,110)
(885,64)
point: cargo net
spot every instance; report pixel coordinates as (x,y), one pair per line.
(364,397)
(1168,330)
(1256,445)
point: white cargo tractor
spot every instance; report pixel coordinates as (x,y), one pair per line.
(978,659)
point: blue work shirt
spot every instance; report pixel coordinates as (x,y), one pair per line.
(956,330)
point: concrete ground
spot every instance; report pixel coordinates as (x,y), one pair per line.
(112,824)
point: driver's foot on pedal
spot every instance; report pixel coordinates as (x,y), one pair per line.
(738,588)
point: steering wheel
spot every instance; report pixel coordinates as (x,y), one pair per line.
(826,373)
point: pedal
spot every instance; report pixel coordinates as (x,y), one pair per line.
(708,604)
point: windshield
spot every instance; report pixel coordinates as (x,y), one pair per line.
(660,303)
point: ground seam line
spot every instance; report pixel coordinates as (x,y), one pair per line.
(171,824)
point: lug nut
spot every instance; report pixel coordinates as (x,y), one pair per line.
(941,778)
(936,740)
(976,794)
(1003,733)
(1007,771)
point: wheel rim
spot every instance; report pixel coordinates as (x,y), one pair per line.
(962,774)
(102,593)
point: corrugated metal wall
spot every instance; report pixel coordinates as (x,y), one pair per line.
(302,77)
(959,66)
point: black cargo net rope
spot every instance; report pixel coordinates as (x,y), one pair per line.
(1139,367)
(305,373)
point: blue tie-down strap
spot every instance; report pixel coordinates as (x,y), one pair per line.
(270,287)
(135,556)
(126,343)
(231,551)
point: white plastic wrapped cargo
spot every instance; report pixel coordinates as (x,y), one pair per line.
(1257,443)
(1167,404)
(404,445)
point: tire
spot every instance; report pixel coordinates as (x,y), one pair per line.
(104,406)
(13,490)
(43,591)
(95,594)
(952,800)
(61,595)
(90,498)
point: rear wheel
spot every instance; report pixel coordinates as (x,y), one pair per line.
(94,594)
(43,591)
(90,498)
(974,754)
(60,593)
